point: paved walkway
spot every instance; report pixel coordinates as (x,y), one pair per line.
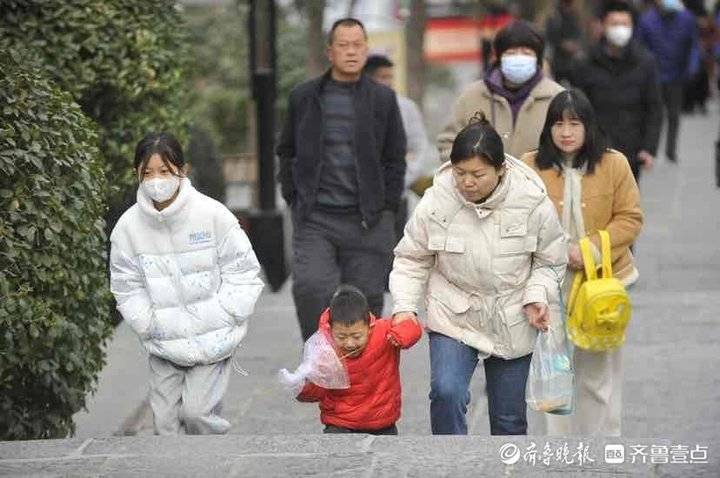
(672,387)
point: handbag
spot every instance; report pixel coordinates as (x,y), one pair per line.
(599,308)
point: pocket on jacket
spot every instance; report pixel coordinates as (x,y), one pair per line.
(514,315)
(212,314)
(597,208)
(450,255)
(514,257)
(453,245)
(448,295)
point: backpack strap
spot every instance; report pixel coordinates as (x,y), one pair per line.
(588,260)
(606,255)
(577,282)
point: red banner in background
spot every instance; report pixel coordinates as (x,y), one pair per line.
(459,39)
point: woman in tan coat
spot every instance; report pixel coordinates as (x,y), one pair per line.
(514,95)
(592,188)
(485,252)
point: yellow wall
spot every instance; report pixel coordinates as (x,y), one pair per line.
(392,44)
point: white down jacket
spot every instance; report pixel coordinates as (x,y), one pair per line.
(476,265)
(185,278)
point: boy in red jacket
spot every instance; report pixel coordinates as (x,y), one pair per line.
(370,351)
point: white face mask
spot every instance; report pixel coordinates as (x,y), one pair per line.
(160,189)
(619,35)
(518,68)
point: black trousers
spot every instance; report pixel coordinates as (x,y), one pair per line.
(672,94)
(330,249)
(391,430)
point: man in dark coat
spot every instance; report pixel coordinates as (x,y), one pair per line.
(564,35)
(670,33)
(620,78)
(342,171)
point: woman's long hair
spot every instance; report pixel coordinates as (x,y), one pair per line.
(576,105)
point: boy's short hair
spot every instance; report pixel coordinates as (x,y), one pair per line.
(348,305)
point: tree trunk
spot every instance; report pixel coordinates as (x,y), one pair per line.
(531,10)
(414,40)
(316,62)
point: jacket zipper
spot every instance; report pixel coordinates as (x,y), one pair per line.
(178,284)
(363,220)
(321,159)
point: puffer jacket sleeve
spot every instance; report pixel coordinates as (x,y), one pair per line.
(311,393)
(406,333)
(131,295)
(550,257)
(240,284)
(413,262)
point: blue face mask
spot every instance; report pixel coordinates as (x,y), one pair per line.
(518,68)
(672,5)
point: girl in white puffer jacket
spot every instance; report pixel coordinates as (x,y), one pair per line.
(186,280)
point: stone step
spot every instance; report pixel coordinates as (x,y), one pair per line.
(357,456)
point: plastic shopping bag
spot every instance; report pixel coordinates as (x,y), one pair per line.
(320,365)
(550,385)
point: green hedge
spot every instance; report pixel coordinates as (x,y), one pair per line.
(54,299)
(122,60)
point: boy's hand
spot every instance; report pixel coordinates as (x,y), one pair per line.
(393,340)
(402,337)
(402,317)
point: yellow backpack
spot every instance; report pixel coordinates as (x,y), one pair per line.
(599,308)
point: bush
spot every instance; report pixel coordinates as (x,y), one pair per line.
(54,299)
(122,60)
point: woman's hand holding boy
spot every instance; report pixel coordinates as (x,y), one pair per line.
(538,314)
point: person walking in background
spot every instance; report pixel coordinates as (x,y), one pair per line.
(422,157)
(484,250)
(185,279)
(620,78)
(697,89)
(670,33)
(342,171)
(593,189)
(564,34)
(514,94)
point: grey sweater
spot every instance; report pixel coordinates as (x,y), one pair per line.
(338,179)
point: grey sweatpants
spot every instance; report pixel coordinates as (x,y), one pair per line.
(188,395)
(331,249)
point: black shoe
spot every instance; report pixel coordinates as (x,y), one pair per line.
(671,158)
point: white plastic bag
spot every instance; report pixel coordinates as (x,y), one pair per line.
(550,384)
(320,365)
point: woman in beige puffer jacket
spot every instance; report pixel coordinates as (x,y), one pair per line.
(485,252)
